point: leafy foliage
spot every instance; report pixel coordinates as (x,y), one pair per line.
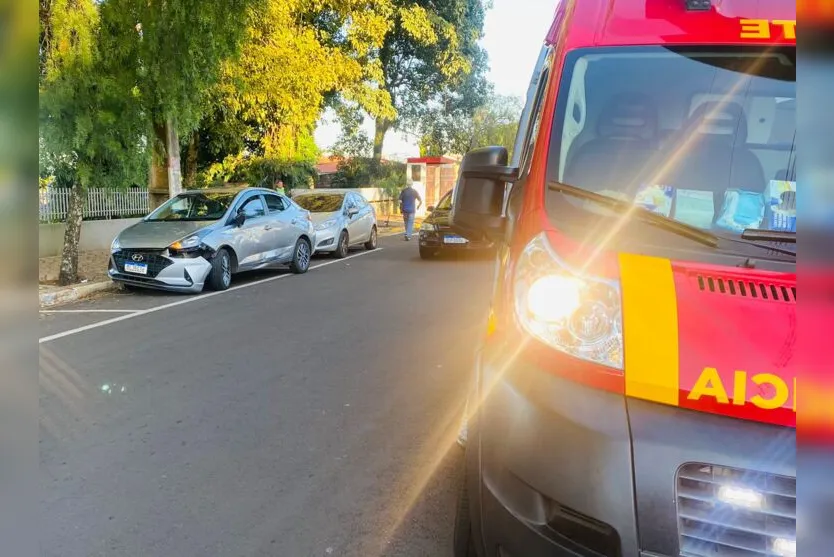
(431,61)
(297,54)
(258,171)
(172,52)
(363,172)
(92,128)
(494,123)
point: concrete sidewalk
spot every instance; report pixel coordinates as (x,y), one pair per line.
(92,274)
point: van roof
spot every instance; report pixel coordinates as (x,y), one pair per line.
(669,22)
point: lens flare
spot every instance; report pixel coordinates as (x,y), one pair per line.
(554,298)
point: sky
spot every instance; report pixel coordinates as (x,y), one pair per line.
(514,32)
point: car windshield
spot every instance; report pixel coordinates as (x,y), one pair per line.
(705,137)
(445,203)
(321,203)
(194,207)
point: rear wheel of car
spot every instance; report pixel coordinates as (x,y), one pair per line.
(220,277)
(427,253)
(342,247)
(464,539)
(372,241)
(301,257)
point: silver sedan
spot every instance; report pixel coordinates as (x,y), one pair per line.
(203,237)
(343,218)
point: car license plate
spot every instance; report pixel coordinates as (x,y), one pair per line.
(137,268)
(454,240)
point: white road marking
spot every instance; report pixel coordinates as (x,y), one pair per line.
(91,311)
(63,334)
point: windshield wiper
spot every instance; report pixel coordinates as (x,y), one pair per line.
(676,227)
(769,236)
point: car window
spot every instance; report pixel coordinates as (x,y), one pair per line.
(254,208)
(194,207)
(532,131)
(274,203)
(361,202)
(445,203)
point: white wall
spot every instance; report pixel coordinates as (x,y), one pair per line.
(95,235)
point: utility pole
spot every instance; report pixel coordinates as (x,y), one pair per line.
(166,174)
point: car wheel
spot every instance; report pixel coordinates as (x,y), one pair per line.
(464,538)
(220,277)
(372,241)
(426,253)
(342,248)
(301,257)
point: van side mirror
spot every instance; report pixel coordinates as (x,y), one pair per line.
(478,205)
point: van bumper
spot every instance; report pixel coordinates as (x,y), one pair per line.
(556,468)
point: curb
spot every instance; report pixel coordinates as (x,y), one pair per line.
(73,293)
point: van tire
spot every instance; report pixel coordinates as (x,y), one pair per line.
(464,538)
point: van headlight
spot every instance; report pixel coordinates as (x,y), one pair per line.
(566,309)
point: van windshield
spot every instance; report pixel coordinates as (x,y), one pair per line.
(705,137)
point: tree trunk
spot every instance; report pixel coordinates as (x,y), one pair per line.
(72,237)
(165,175)
(190,179)
(381,127)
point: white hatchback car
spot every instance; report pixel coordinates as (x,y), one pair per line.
(343,218)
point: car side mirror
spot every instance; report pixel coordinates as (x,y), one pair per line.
(352,211)
(239,219)
(478,204)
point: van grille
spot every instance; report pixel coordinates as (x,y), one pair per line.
(728,512)
(747,289)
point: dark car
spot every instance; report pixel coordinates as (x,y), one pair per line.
(436,237)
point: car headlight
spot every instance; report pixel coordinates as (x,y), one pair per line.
(428,227)
(327,224)
(115,246)
(188,243)
(566,309)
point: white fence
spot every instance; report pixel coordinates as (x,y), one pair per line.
(101,204)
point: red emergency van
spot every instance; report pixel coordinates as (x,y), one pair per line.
(635,391)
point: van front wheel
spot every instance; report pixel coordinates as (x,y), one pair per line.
(464,541)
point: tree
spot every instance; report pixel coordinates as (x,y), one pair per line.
(91,129)
(493,123)
(172,55)
(119,79)
(431,52)
(298,56)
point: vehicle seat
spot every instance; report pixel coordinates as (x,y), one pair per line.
(711,153)
(626,140)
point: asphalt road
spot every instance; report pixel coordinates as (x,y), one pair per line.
(295,416)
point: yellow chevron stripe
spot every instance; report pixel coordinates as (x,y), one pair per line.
(650,328)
